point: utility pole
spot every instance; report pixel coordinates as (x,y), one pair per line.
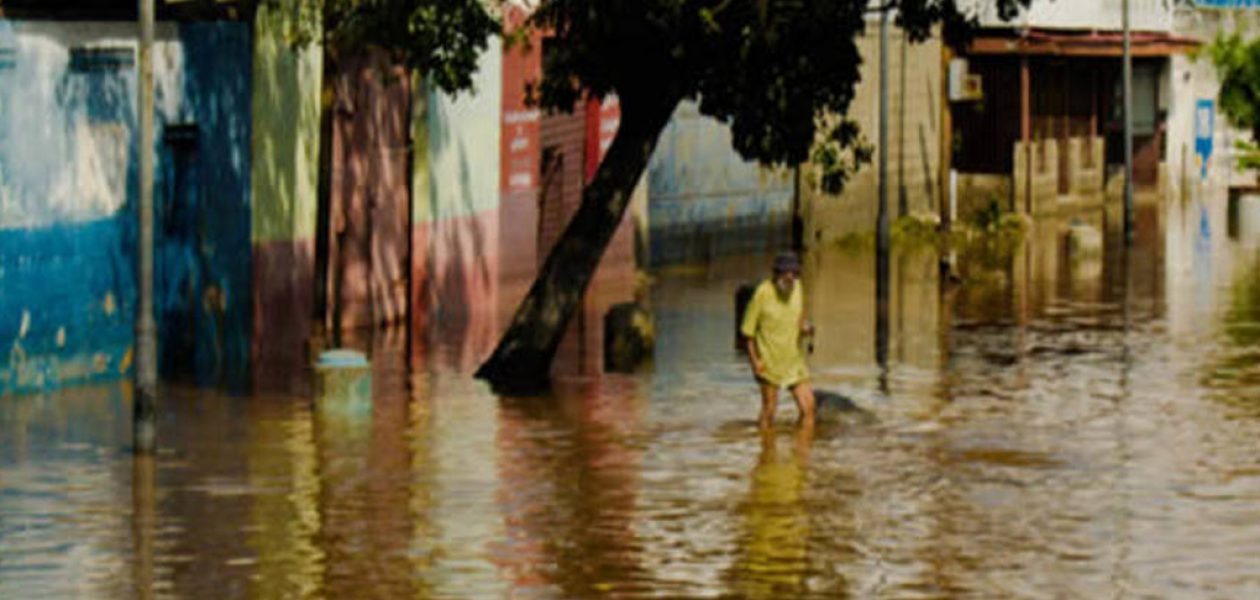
(882,245)
(1128,127)
(798,219)
(144,427)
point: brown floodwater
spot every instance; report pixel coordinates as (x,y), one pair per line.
(1049,425)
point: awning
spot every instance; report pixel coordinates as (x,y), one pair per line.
(1083,44)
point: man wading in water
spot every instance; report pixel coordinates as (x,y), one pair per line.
(773,326)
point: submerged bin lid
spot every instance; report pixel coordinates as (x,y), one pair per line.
(8,46)
(341,358)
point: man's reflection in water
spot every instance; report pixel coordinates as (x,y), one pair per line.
(773,561)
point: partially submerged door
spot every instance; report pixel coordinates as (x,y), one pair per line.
(1147,130)
(180,268)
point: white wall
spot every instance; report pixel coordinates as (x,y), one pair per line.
(1145,15)
(1193,79)
(55,164)
(463,142)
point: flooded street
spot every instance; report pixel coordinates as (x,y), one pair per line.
(1050,425)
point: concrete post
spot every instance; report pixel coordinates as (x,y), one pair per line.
(144,423)
(1128,128)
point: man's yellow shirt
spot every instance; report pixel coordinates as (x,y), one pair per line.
(774,324)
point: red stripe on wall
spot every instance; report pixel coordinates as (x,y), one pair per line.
(283,301)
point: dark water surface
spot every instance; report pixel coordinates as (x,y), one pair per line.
(1052,426)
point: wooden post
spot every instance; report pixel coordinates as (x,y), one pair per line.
(1025,128)
(1065,136)
(1128,128)
(1093,115)
(946,159)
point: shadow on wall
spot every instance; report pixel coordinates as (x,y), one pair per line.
(284,178)
(202,219)
(369,191)
(456,237)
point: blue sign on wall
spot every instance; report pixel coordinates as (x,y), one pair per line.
(1204,122)
(1228,3)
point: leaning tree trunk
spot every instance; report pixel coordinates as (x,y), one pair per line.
(521,363)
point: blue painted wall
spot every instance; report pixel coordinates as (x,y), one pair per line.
(704,200)
(68,190)
(204,237)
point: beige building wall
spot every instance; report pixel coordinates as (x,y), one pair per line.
(915,141)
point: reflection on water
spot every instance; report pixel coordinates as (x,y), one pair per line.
(1055,423)
(774,552)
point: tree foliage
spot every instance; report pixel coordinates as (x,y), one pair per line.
(438,38)
(1238,63)
(773,70)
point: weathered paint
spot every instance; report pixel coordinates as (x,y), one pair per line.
(284,179)
(68,185)
(369,191)
(58,223)
(203,219)
(87,262)
(704,200)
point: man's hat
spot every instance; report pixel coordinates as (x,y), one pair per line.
(786,262)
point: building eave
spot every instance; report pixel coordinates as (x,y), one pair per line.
(1085,44)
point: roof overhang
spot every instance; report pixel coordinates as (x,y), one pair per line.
(1086,44)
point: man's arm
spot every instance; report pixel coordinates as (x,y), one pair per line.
(753,359)
(749,330)
(806,325)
